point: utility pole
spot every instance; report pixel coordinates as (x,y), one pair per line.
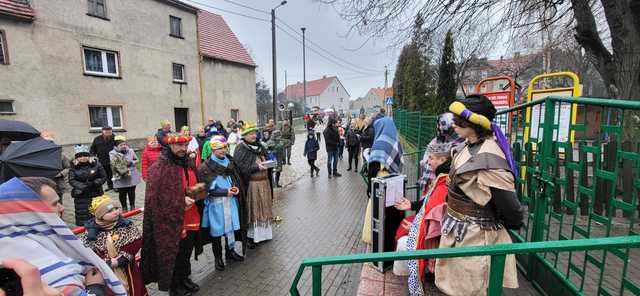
(384,100)
(304,68)
(274,84)
(286,97)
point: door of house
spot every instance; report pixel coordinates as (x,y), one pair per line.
(181,117)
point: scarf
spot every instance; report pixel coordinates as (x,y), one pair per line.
(30,230)
(386,148)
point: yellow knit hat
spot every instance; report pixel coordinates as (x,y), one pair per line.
(101,205)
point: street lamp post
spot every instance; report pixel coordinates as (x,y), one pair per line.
(274,86)
(304,68)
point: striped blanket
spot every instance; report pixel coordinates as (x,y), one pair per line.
(386,147)
(31,231)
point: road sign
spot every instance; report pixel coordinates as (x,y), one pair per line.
(388,101)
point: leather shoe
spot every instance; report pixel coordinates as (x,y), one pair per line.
(336,174)
(234,256)
(219,264)
(179,291)
(190,285)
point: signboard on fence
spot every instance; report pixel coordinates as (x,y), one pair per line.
(565,113)
(502,99)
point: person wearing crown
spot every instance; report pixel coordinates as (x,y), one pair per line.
(171,221)
(86,177)
(222,214)
(250,156)
(116,240)
(481,201)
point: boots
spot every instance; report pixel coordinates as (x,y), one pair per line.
(312,170)
(190,285)
(219,264)
(179,290)
(231,254)
(278,180)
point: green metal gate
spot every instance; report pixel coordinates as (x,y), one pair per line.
(585,187)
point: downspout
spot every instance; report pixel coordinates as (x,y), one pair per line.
(200,61)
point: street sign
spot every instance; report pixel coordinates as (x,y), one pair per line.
(388,101)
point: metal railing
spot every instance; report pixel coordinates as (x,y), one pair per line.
(579,179)
(498,255)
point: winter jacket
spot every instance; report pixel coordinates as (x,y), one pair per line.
(149,156)
(353,138)
(288,136)
(331,136)
(133,178)
(366,137)
(86,181)
(100,147)
(311,148)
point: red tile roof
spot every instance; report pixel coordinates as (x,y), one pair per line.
(17,9)
(218,41)
(314,87)
(381,94)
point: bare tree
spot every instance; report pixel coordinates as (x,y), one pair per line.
(618,62)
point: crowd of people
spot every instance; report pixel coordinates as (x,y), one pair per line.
(219,182)
(216,183)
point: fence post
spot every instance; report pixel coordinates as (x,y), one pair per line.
(316,280)
(496,274)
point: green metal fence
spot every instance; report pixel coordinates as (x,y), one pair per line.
(580,182)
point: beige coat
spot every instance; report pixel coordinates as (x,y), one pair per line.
(467,276)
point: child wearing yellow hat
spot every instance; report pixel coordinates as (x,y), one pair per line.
(116,240)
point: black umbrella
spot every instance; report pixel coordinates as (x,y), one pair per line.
(32,158)
(17,130)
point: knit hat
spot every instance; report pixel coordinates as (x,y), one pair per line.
(247,128)
(101,205)
(119,139)
(439,148)
(218,142)
(176,139)
(81,150)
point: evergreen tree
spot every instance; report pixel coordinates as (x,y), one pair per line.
(446,92)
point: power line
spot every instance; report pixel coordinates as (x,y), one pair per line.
(328,52)
(246,6)
(320,54)
(229,11)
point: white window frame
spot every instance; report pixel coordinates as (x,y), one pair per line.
(184,75)
(109,116)
(103,54)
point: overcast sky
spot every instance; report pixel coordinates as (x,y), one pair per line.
(325,28)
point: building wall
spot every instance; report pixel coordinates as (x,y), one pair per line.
(46,79)
(228,86)
(331,96)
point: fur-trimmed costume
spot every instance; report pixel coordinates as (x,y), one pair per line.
(121,243)
(164,228)
(256,185)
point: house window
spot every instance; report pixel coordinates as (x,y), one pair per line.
(6,107)
(175,26)
(101,62)
(100,116)
(4,50)
(235,113)
(97,8)
(178,73)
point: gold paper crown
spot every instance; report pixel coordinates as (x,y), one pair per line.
(247,128)
(97,202)
(120,138)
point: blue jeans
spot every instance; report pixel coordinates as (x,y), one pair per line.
(332,158)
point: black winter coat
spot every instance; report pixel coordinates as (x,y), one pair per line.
(86,180)
(331,135)
(366,137)
(101,148)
